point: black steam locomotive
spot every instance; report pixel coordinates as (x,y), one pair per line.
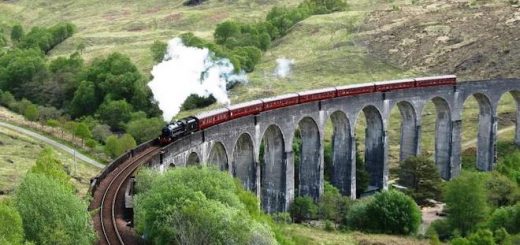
(177,129)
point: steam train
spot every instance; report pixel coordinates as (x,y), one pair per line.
(192,124)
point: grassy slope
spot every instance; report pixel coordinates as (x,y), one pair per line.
(18,153)
(307,235)
(328,50)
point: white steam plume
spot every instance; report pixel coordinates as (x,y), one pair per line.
(283,67)
(189,70)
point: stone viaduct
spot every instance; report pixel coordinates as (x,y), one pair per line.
(235,146)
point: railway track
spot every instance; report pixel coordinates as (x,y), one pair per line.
(108,198)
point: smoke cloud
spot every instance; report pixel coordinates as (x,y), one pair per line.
(283,67)
(189,70)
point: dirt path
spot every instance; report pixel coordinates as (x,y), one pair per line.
(470,143)
(54,143)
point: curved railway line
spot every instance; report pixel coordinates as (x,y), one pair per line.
(108,196)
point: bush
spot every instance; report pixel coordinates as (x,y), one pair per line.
(507,218)
(194,101)
(357,215)
(501,191)
(11,228)
(510,167)
(442,229)
(144,129)
(462,194)
(101,132)
(116,146)
(53,214)
(115,113)
(302,209)
(421,177)
(332,205)
(393,212)
(158,50)
(47,39)
(282,218)
(16,33)
(482,237)
(196,206)
(31,112)
(49,165)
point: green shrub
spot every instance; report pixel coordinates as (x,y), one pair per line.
(282,218)
(158,50)
(49,165)
(507,218)
(196,206)
(195,101)
(393,212)
(421,177)
(442,229)
(116,146)
(482,237)
(115,113)
(466,203)
(501,191)
(510,167)
(332,205)
(144,129)
(302,209)
(52,213)
(46,39)
(357,215)
(11,228)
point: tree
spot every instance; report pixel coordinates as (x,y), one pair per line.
(226,30)
(507,218)
(197,206)
(303,208)
(115,76)
(49,165)
(482,237)
(116,146)
(100,132)
(83,132)
(501,191)
(11,228)
(31,112)
(465,199)
(510,167)
(332,205)
(144,129)
(22,73)
(421,177)
(64,80)
(393,212)
(158,50)
(17,33)
(85,101)
(115,113)
(54,214)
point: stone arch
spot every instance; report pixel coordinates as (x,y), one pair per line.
(409,142)
(374,147)
(485,144)
(442,136)
(341,174)
(516,97)
(308,172)
(272,170)
(218,156)
(193,159)
(244,162)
